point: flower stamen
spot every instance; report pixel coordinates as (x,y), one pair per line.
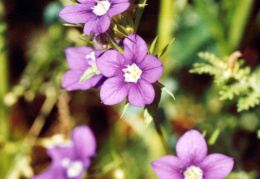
(132,73)
(193,172)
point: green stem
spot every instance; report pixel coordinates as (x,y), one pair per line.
(159,131)
(138,15)
(3,76)
(166,16)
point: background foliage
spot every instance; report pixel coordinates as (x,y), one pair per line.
(35,112)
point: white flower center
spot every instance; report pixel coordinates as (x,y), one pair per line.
(193,172)
(132,73)
(74,168)
(101,8)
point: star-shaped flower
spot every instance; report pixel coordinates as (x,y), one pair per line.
(79,60)
(130,75)
(71,161)
(192,161)
(95,14)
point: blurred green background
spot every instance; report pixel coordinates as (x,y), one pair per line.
(36,112)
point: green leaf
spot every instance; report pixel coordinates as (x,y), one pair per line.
(93,70)
(214,136)
(165,48)
(139,13)
(122,28)
(153,45)
(90,42)
(228,92)
(125,108)
(244,103)
(147,117)
(258,133)
(72,25)
(164,88)
(115,45)
(117,30)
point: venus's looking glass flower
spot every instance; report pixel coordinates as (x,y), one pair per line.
(95,14)
(71,161)
(130,75)
(192,161)
(80,59)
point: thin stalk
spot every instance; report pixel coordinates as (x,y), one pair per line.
(159,131)
(138,15)
(3,76)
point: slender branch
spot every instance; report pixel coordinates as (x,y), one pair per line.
(138,15)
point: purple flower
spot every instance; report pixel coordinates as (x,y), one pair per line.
(130,75)
(192,161)
(71,161)
(95,14)
(79,60)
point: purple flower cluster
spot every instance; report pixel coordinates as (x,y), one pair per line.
(130,75)
(95,14)
(192,161)
(70,161)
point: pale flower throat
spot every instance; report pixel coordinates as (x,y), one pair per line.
(132,73)
(193,172)
(101,8)
(74,168)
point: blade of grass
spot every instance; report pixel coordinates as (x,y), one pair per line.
(238,22)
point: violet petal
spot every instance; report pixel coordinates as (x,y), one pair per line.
(102,24)
(84,142)
(110,63)
(216,166)
(151,68)
(51,174)
(191,148)
(168,167)
(97,25)
(141,93)
(135,49)
(71,81)
(59,153)
(114,90)
(117,7)
(76,57)
(80,13)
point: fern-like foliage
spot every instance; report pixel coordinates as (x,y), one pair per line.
(233,78)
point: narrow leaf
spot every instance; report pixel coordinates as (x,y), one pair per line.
(166,48)
(72,25)
(139,13)
(148,118)
(213,138)
(164,88)
(89,73)
(115,45)
(153,45)
(125,108)
(117,30)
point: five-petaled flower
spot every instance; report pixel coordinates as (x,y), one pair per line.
(192,161)
(70,161)
(79,60)
(130,74)
(95,14)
